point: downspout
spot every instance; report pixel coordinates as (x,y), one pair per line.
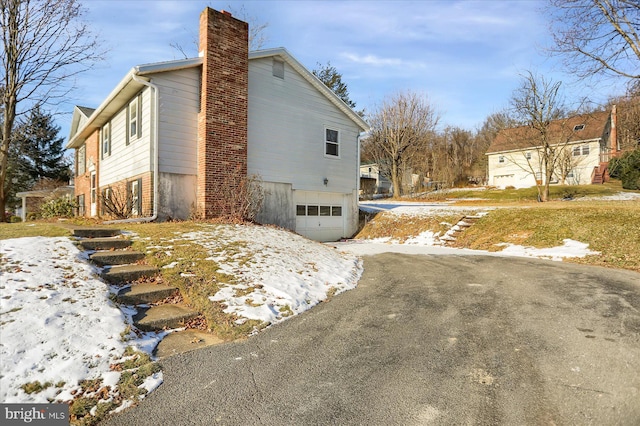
(154,145)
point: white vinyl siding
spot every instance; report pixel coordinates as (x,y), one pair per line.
(128,159)
(178,127)
(287,121)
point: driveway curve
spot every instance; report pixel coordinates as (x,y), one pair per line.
(427,340)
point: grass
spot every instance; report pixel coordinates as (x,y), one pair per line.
(401,228)
(610,227)
(523,195)
(194,273)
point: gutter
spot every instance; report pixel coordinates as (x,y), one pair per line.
(154,146)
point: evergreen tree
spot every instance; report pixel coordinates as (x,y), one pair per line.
(41,151)
(331,78)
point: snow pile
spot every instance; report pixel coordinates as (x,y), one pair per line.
(570,248)
(58,326)
(279,273)
(417,209)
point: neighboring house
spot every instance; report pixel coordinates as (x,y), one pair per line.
(585,145)
(171,133)
(372,181)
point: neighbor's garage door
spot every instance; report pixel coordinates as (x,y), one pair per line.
(319,215)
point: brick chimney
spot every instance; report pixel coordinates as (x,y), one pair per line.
(222,121)
(614,132)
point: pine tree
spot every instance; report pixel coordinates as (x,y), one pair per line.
(331,78)
(41,150)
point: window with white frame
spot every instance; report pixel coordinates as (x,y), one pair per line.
(501,159)
(133,119)
(576,151)
(331,142)
(527,155)
(106,140)
(585,150)
(580,150)
(135,197)
(81,160)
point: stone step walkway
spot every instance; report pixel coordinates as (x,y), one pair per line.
(121,266)
(463,224)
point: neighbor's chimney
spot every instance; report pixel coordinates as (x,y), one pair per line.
(222,121)
(614,131)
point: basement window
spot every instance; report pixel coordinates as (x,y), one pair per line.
(278,68)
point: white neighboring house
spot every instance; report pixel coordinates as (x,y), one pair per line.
(171,132)
(380,184)
(586,142)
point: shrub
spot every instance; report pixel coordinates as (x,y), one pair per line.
(627,169)
(58,207)
(15,219)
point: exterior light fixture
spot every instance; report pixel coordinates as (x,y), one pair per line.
(326,181)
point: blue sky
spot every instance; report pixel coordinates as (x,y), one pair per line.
(465,56)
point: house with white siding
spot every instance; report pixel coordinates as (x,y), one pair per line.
(584,145)
(170,133)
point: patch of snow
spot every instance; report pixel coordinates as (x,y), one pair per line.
(570,248)
(75,334)
(280,273)
(620,196)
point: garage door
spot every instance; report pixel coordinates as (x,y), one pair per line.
(320,215)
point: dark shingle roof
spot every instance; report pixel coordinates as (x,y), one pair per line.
(560,131)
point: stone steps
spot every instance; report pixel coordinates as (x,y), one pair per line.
(163,317)
(116,257)
(144,293)
(112,243)
(120,267)
(122,274)
(463,224)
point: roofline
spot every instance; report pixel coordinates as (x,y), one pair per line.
(157,67)
(139,70)
(315,82)
(504,151)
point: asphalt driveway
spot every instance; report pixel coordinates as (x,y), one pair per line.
(427,340)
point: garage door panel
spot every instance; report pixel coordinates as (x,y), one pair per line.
(319,215)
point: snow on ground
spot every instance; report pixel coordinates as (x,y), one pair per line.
(620,196)
(56,321)
(287,274)
(409,208)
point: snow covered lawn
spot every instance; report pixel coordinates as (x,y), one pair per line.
(64,338)
(59,327)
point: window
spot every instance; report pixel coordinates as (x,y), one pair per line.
(133,119)
(331,143)
(570,174)
(501,159)
(93,187)
(80,201)
(278,68)
(135,197)
(106,140)
(578,127)
(81,165)
(327,211)
(580,150)
(106,201)
(527,155)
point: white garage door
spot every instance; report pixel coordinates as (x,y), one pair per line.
(320,215)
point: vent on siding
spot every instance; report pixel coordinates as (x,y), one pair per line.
(278,68)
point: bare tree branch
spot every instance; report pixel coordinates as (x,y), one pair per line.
(45,44)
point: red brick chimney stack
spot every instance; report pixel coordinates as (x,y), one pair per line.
(222,121)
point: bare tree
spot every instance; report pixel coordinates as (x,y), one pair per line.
(596,36)
(45,44)
(257,33)
(400,127)
(537,103)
